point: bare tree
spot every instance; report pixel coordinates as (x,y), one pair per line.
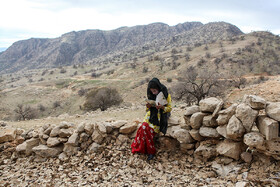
(238,80)
(24,112)
(194,86)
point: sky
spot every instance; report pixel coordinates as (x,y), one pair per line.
(24,19)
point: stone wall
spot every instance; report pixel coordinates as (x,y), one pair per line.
(208,130)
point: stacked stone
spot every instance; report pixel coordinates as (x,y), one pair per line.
(229,132)
(208,130)
(66,139)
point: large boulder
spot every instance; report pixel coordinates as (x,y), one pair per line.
(246,115)
(196,120)
(28,145)
(74,139)
(209,121)
(222,130)
(97,137)
(65,125)
(209,132)
(89,127)
(235,129)
(268,127)
(206,151)
(81,127)
(254,140)
(102,128)
(65,133)
(209,104)
(225,115)
(191,110)
(45,151)
(195,135)
(230,149)
(183,136)
(173,121)
(128,129)
(273,110)
(218,109)
(70,149)
(7,134)
(254,102)
(170,130)
(118,124)
(52,141)
(55,131)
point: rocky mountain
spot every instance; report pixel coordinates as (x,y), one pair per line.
(84,46)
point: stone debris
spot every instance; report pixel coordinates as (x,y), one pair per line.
(221,141)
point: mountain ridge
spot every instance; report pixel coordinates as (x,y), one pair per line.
(79,47)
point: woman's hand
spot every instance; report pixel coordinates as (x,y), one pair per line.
(160,106)
(148,105)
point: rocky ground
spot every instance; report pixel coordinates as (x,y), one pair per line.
(115,166)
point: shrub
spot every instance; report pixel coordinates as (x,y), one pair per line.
(145,69)
(41,107)
(82,92)
(56,104)
(63,70)
(24,112)
(169,79)
(102,98)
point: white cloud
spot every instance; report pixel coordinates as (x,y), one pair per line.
(52,18)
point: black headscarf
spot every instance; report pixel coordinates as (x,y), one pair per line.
(155,83)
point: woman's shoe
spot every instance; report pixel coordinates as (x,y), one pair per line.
(150,157)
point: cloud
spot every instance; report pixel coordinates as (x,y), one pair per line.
(52,18)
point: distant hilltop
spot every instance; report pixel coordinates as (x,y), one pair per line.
(97,46)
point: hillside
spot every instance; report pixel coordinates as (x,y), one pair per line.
(96,46)
(43,89)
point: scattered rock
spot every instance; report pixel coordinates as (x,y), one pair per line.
(246,157)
